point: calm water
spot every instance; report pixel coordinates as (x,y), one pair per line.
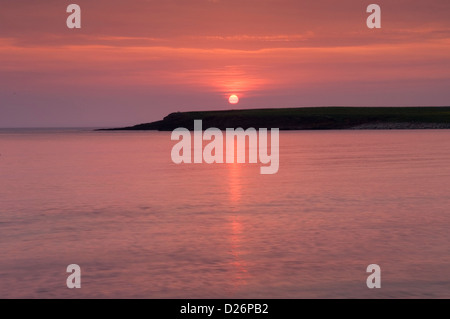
(141,226)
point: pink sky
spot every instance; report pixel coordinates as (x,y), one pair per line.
(136,61)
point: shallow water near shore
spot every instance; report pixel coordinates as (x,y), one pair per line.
(141,226)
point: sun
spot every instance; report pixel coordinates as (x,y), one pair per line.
(233,99)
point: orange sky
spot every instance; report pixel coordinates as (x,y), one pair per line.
(137,61)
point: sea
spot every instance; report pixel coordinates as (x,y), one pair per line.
(140,226)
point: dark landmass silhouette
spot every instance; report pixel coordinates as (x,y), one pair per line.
(308,118)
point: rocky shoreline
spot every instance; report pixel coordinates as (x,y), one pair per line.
(402,126)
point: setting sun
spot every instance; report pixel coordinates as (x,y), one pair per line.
(233,99)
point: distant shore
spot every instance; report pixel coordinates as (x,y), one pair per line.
(312,118)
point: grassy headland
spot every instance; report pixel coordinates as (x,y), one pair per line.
(311,118)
